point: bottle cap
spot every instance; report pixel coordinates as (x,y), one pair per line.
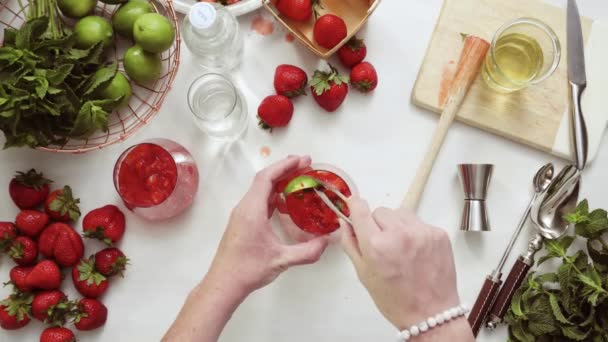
(202,15)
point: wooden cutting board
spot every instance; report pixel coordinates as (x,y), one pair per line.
(537,116)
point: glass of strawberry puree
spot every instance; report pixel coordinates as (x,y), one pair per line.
(156,179)
(302,214)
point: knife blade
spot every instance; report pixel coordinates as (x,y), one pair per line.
(576,47)
(577,78)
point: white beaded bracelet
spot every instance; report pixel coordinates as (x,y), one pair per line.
(432,322)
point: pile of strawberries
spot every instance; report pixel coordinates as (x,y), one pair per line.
(329,88)
(46,232)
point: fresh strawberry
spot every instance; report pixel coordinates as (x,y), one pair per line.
(110,262)
(14,311)
(31,222)
(364,77)
(329,88)
(61,243)
(106,224)
(8,233)
(298,10)
(57,334)
(29,189)
(87,280)
(275,111)
(329,31)
(61,205)
(290,81)
(18,275)
(44,276)
(92,314)
(23,251)
(353,52)
(51,307)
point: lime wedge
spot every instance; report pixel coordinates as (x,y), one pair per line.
(300,183)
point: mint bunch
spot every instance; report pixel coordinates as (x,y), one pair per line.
(570,304)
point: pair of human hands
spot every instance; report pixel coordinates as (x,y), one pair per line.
(406,265)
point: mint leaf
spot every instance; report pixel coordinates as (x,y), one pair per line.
(102,78)
(557,310)
(574,333)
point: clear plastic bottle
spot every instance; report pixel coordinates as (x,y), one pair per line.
(213,36)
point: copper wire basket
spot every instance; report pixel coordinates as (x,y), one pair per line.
(145,101)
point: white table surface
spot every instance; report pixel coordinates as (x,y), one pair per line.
(378,139)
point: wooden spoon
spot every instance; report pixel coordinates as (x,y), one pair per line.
(471,58)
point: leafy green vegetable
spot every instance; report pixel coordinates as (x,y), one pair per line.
(570,304)
(48,89)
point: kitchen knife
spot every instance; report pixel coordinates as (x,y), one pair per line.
(578,82)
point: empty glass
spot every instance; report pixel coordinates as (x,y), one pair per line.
(524,52)
(219,108)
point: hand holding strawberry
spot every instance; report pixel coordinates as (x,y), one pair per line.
(329,88)
(106,224)
(29,189)
(61,205)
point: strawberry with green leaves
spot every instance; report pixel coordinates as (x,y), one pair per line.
(111,262)
(329,31)
(275,111)
(23,251)
(45,276)
(61,243)
(61,205)
(18,274)
(329,88)
(364,77)
(8,233)
(290,81)
(31,222)
(57,334)
(353,52)
(29,189)
(15,310)
(106,224)
(91,314)
(51,307)
(87,280)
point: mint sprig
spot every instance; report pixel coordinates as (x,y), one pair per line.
(570,303)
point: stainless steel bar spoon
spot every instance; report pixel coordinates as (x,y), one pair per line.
(488,292)
(547,215)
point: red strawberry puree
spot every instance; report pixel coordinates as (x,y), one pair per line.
(147,176)
(304,215)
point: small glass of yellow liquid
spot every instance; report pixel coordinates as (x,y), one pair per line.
(524,52)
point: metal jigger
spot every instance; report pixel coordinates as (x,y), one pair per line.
(475,179)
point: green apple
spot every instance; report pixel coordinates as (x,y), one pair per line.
(76,8)
(153,32)
(124,19)
(92,30)
(118,87)
(141,66)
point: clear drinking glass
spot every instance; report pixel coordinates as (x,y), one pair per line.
(524,52)
(218,106)
(156,179)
